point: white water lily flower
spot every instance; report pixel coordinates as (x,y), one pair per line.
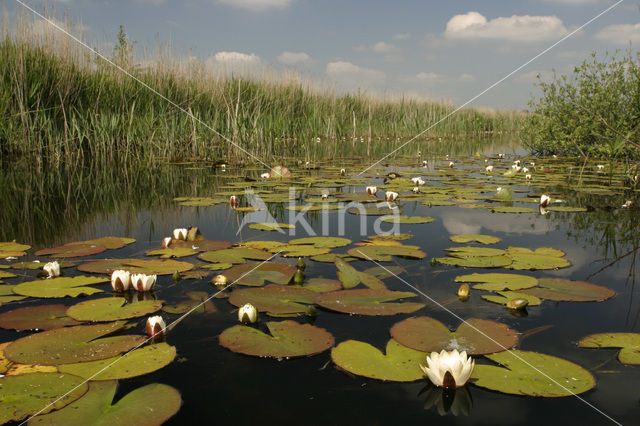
(180,234)
(343,172)
(600,167)
(500,155)
(390,196)
(418,181)
(489,169)
(265,176)
(527,177)
(51,269)
(416,190)
(627,204)
(532,164)
(450,163)
(247,313)
(448,369)
(516,168)
(155,326)
(143,282)
(324,196)
(424,163)
(120,280)
(544,200)
(525,170)
(371,190)
(517,162)
(233,200)
(165,242)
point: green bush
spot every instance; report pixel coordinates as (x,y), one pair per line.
(595,112)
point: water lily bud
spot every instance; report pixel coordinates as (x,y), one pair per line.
(233,200)
(220,280)
(518,303)
(223,167)
(517,162)
(311,311)
(500,155)
(165,242)
(489,169)
(415,190)
(176,276)
(155,326)
(424,163)
(463,291)
(451,164)
(390,196)
(446,156)
(371,190)
(51,269)
(180,234)
(343,172)
(544,200)
(627,204)
(143,282)
(300,264)
(306,164)
(299,277)
(324,196)
(248,313)
(120,280)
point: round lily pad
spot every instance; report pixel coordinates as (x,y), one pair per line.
(71,250)
(234,255)
(202,245)
(373,211)
(476,336)
(271,226)
(500,261)
(42,317)
(287,339)
(506,209)
(71,344)
(160,402)
(299,250)
(323,242)
(195,299)
(136,266)
(469,238)
(561,289)
(629,342)
(110,243)
(541,258)
(532,374)
(567,209)
(322,285)
(385,272)
(112,309)
(382,253)
(12,249)
(7,295)
(138,362)
(60,287)
(351,277)
(394,218)
(399,364)
(254,274)
(38,265)
(504,296)
(169,252)
(368,302)
(498,282)
(274,299)
(27,394)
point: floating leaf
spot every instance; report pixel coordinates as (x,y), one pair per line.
(368,302)
(323,242)
(533,374)
(299,250)
(537,261)
(476,336)
(469,238)
(7,295)
(288,339)
(394,218)
(400,364)
(60,287)
(42,317)
(234,255)
(202,245)
(629,342)
(217,266)
(470,251)
(381,253)
(373,211)
(138,362)
(254,274)
(147,406)
(331,257)
(351,277)
(261,245)
(504,296)
(476,262)
(4,274)
(195,298)
(18,369)
(107,242)
(567,209)
(195,274)
(274,299)
(322,285)
(170,252)
(12,249)
(71,250)
(560,289)
(498,282)
(71,344)
(200,201)
(112,309)
(136,266)
(385,272)
(503,209)
(390,237)
(27,394)
(271,226)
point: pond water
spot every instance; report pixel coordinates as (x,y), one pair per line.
(218,385)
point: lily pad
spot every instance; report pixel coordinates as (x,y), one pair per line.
(261,245)
(351,277)
(288,339)
(542,258)
(469,238)
(560,289)
(253,274)
(498,282)
(275,299)
(169,252)
(60,287)
(7,295)
(567,209)
(385,272)
(38,265)
(532,374)
(322,285)
(368,302)
(149,405)
(323,242)
(382,253)
(470,251)
(629,342)
(373,211)
(71,250)
(71,344)
(271,226)
(136,266)
(42,317)
(399,364)
(12,249)
(394,218)
(194,298)
(27,394)
(504,296)
(500,261)
(112,309)
(299,250)
(235,255)
(138,362)
(507,209)
(110,243)
(476,336)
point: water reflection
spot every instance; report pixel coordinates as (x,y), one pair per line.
(447,401)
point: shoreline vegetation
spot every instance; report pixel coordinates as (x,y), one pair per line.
(59,102)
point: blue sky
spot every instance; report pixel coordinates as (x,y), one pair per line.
(445,50)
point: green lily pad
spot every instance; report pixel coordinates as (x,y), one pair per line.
(373,211)
(381,253)
(532,374)
(476,262)
(469,238)
(299,250)
(504,296)
(110,243)
(542,258)
(271,226)
(12,249)
(629,342)
(169,252)
(368,302)
(331,257)
(4,274)
(498,282)
(470,251)
(235,255)
(351,277)
(38,265)
(322,285)
(406,219)
(476,336)
(288,339)
(27,394)
(71,344)
(112,309)
(390,237)
(194,298)
(42,317)
(7,295)
(149,405)
(566,209)
(253,274)
(385,272)
(71,250)
(399,364)
(136,266)
(261,245)
(60,287)
(560,289)
(323,242)
(507,209)
(138,362)
(275,299)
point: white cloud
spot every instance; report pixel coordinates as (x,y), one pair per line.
(234,63)
(404,36)
(466,77)
(257,5)
(352,75)
(473,25)
(379,47)
(429,77)
(291,58)
(619,34)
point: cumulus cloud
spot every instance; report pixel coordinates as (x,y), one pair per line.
(257,5)
(379,47)
(466,77)
(291,58)
(619,34)
(473,25)
(233,62)
(351,75)
(429,77)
